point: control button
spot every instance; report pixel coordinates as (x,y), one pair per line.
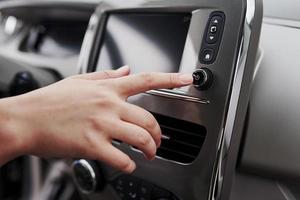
(132,185)
(216,20)
(119,185)
(207,55)
(145,191)
(132,188)
(211,38)
(202,78)
(213,29)
(87,177)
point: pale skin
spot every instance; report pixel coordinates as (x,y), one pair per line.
(79,117)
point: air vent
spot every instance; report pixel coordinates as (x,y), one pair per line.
(182,140)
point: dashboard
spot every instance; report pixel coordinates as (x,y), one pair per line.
(214,148)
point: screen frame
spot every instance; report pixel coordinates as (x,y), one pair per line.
(111,9)
(190,58)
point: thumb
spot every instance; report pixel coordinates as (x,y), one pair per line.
(122,71)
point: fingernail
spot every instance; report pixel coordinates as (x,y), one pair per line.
(125,67)
(152,157)
(132,167)
(186,78)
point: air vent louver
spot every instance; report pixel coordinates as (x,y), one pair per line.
(183,140)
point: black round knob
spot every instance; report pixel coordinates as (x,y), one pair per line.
(203,78)
(87,176)
(23,82)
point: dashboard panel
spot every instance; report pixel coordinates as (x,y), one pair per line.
(38,41)
(230,59)
(46,41)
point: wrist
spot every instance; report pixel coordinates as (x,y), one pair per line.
(13,143)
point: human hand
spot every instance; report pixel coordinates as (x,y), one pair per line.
(79,117)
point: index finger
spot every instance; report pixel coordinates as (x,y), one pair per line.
(138,83)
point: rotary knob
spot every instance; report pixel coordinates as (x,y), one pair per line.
(203,78)
(87,176)
(23,82)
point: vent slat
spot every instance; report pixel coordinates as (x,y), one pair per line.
(185,139)
(181,136)
(186,143)
(181,148)
(180,131)
(175,155)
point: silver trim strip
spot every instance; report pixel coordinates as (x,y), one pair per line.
(87,44)
(161,158)
(176,96)
(226,134)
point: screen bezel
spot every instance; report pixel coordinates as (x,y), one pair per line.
(190,57)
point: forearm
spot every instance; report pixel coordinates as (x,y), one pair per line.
(10,142)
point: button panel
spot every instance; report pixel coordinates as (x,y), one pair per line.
(212,38)
(131,188)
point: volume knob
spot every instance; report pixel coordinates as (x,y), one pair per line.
(87,176)
(203,78)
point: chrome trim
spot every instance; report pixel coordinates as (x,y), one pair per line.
(35,177)
(56,172)
(90,169)
(165,137)
(168,94)
(226,134)
(201,70)
(87,44)
(161,158)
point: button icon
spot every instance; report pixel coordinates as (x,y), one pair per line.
(216,20)
(131,184)
(207,55)
(213,29)
(132,195)
(211,38)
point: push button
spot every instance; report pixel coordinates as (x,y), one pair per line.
(211,38)
(145,191)
(132,188)
(132,185)
(207,55)
(216,20)
(213,29)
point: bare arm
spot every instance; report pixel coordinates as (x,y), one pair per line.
(78,117)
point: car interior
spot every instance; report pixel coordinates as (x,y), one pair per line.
(233,134)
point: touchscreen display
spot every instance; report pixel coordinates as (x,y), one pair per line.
(147,42)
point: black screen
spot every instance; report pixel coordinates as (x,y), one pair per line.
(146,42)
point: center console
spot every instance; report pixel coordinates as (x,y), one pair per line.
(214,40)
